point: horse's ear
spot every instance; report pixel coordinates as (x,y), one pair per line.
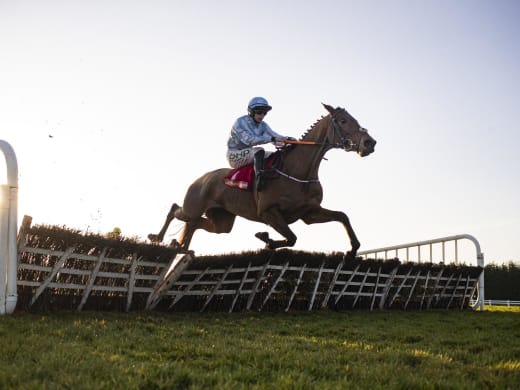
(330,109)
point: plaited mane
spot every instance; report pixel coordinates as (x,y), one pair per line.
(302,138)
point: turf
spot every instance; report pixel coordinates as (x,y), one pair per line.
(332,350)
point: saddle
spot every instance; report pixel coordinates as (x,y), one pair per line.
(244,177)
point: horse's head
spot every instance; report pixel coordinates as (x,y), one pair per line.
(348,134)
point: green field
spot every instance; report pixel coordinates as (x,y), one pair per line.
(326,350)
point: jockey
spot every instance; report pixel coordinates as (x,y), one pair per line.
(247,132)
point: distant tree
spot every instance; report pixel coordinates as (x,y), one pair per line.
(114,234)
(502,281)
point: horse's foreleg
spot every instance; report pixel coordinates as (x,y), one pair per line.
(321,215)
(274,219)
(171,215)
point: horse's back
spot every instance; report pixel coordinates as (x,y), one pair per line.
(210,191)
(202,194)
(214,177)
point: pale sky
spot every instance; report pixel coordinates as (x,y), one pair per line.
(114,107)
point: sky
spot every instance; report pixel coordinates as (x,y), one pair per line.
(114,107)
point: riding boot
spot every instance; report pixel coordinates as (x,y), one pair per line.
(259,169)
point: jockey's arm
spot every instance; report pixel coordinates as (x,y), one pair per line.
(272,133)
(277,138)
(247,136)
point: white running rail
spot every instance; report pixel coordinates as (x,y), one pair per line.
(8,231)
(430,244)
(501,302)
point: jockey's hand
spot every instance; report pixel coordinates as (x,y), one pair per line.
(275,140)
(278,144)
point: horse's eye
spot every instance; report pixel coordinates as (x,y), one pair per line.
(343,121)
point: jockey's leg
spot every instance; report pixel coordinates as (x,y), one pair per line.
(259,169)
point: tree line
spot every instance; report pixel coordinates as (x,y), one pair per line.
(502,281)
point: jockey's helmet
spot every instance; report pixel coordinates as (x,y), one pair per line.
(258,103)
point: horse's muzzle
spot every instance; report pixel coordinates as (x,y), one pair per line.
(367,146)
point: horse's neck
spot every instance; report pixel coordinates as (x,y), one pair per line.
(304,160)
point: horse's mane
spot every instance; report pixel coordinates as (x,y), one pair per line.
(302,138)
(288,148)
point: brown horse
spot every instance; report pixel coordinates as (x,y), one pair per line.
(211,205)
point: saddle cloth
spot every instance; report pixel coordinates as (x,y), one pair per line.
(241,177)
(244,177)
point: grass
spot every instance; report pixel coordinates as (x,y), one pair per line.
(435,349)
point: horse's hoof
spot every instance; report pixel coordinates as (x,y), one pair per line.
(264,236)
(349,256)
(154,238)
(175,244)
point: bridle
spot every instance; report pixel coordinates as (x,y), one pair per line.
(344,143)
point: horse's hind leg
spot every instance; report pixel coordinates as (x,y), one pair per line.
(186,236)
(170,217)
(217,221)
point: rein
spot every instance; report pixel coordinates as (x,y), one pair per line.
(295,178)
(345,143)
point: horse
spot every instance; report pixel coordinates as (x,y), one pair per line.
(211,205)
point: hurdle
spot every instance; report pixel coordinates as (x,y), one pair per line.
(8,231)
(66,270)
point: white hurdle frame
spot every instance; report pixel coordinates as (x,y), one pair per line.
(8,232)
(443,240)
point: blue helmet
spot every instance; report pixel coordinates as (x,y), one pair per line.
(258,102)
